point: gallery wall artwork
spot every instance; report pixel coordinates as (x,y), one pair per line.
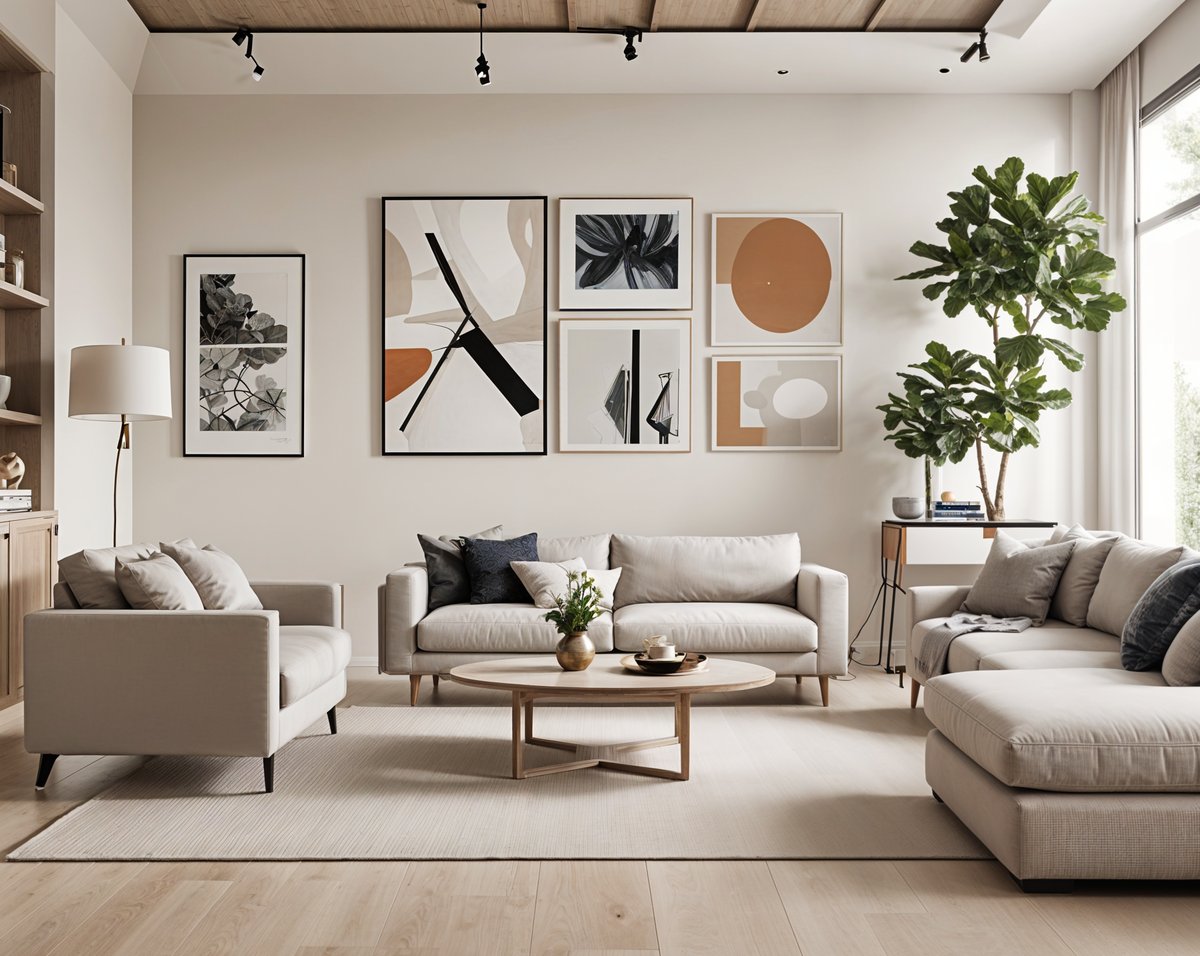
(776,279)
(243,355)
(464,325)
(618,254)
(777,403)
(625,385)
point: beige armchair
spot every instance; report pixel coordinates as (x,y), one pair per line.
(213,683)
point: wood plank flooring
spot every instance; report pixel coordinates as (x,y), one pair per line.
(574,908)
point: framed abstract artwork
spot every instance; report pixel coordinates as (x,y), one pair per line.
(776,279)
(464,325)
(625,385)
(243,357)
(777,403)
(624,254)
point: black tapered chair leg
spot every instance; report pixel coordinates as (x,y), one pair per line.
(332,715)
(45,765)
(269,773)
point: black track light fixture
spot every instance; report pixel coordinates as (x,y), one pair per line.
(245,36)
(629,33)
(980,47)
(630,50)
(482,70)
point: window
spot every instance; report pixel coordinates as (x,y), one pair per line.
(1169,317)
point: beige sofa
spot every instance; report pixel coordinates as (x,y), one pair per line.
(214,683)
(745,598)
(1064,764)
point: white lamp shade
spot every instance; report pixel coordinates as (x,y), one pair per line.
(111,381)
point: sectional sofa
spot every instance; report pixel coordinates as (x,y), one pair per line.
(745,598)
(1064,764)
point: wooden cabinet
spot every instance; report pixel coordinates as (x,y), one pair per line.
(28,549)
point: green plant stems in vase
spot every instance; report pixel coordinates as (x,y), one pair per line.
(928,488)
(572,613)
(1018,254)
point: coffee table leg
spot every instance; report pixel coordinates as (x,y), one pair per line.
(518,756)
(683,717)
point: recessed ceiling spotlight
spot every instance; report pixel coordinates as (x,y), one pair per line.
(944,69)
(783,72)
(980,47)
(246,36)
(482,70)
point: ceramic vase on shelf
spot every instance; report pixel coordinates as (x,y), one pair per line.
(575,651)
(5,389)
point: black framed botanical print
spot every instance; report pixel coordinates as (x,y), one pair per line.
(243,357)
(464,325)
(622,254)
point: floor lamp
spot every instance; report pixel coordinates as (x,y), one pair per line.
(120,383)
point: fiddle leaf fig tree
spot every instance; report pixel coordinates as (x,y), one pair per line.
(1024,257)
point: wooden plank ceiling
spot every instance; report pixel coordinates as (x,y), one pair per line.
(564,15)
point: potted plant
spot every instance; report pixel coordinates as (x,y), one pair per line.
(573,612)
(1018,255)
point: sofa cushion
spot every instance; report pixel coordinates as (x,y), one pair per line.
(217,578)
(448,579)
(758,569)
(592,548)
(968,650)
(499,628)
(1181,666)
(1168,604)
(546,580)
(91,575)
(1049,660)
(1017,580)
(1081,575)
(489,566)
(1082,730)
(156,583)
(714,628)
(1131,567)
(308,657)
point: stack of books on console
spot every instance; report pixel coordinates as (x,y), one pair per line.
(16,499)
(958,511)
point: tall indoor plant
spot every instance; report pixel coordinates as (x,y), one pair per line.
(1018,255)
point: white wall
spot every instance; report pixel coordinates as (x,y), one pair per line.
(304,174)
(1171,51)
(93,296)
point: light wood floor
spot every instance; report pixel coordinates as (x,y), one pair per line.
(609,907)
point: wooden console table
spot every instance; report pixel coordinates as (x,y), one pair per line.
(924,541)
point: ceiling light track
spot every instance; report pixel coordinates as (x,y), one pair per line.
(246,36)
(483,71)
(629,33)
(980,47)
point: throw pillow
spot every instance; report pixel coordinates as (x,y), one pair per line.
(91,575)
(606,580)
(220,582)
(1131,567)
(448,580)
(1181,666)
(1168,604)
(157,583)
(1080,576)
(545,580)
(1017,580)
(489,566)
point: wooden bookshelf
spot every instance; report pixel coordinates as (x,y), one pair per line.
(16,201)
(8,417)
(12,297)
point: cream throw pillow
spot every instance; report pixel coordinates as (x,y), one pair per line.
(220,582)
(1129,570)
(545,580)
(156,583)
(1081,575)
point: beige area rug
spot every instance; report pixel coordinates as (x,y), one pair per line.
(772,782)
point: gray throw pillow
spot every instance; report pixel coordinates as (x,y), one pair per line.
(157,583)
(1017,580)
(448,580)
(92,575)
(1131,567)
(1168,604)
(217,578)
(1080,576)
(1181,666)
(489,566)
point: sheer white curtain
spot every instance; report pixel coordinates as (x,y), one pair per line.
(1116,349)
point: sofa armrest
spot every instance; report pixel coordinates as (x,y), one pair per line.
(824,595)
(152,682)
(403,601)
(941,600)
(303,602)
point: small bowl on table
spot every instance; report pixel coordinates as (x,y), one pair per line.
(908,509)
(670,665)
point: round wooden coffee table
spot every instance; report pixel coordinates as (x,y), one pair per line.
(540,678)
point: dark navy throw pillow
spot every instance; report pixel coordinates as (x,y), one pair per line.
(489,566)
(1167,605)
